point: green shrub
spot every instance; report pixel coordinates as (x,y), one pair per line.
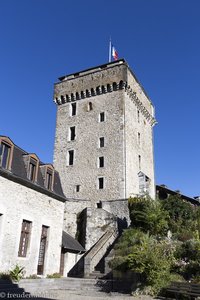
(54,275)
(144,254)
(147,249)
(148,215)
(33,276)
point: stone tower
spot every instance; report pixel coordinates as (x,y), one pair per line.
(104,140)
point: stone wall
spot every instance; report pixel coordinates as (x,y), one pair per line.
(114,90)
(85,171)
(19,203)
(72,209)
(97,222)
(139,120)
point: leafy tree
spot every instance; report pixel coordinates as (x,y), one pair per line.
(181,213)
(148,215)
(145,247)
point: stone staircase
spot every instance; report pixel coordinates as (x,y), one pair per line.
(95,257)
(46,288)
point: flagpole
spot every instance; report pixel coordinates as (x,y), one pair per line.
(110,50)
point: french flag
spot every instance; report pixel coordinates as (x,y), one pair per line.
(114,53)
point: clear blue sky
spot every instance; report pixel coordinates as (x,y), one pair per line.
(160,39)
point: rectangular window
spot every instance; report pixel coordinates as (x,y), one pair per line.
(49,179)
(4,155)
(100,183)
(138,116)
(32,169)
(78,188)
(73,109)
(72,133)
(101,142)
(102,117)
(101,162)
(138,138)
(42,251)
(139,161)
(70,157)
(25,238)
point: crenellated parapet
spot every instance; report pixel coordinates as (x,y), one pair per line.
(133,96)
(92,92)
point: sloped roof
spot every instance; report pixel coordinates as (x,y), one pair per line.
(18,173)
(69,243)
(163,188)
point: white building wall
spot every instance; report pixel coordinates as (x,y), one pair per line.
(18,202)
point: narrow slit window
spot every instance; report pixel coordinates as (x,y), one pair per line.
(73,109)
(70,157)
(72,133)
(139,161)
(101,142)
(78,188)
(138,116)
(102,117)
(90,106)
(101,162)
(100,183)
(138,138)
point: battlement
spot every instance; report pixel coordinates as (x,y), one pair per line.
(98,80)
(92,70)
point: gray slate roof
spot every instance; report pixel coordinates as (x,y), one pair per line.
(18,174)
(69,243)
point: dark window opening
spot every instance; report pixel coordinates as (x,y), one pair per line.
(72,133)
(138,116)
(138,138)
(139,161)
(24,239)
(32,169)
(101,183)
(73,109)
(78,188)
(101,162)
(71,157)
(99,204)
(102,117)
(49,179)
(101,142)
(89,106)
(4,155)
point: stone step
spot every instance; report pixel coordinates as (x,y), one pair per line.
(97,275)
(32,285)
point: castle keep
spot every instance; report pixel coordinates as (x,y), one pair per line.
(104,141)
(103,154)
